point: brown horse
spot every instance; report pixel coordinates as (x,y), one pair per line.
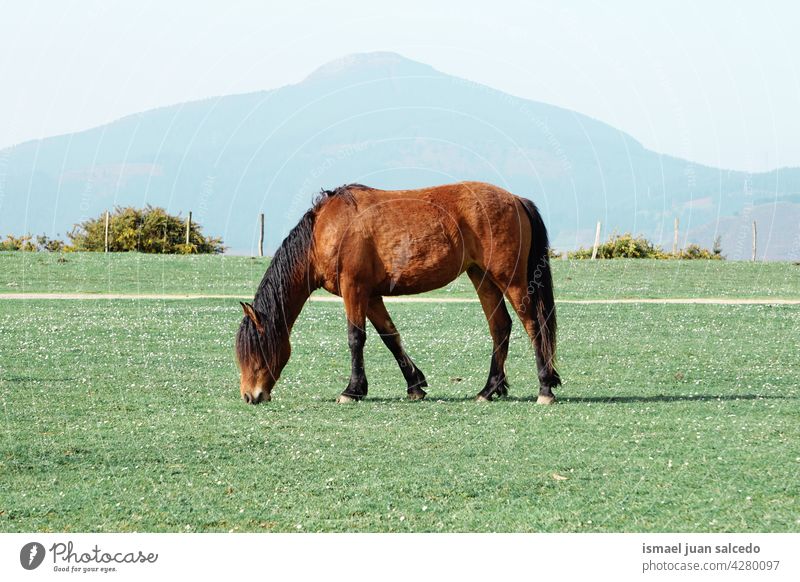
(361,244)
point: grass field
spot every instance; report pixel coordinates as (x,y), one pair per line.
(215,275)
(125,415)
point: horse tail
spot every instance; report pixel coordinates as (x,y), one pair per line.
(540,292)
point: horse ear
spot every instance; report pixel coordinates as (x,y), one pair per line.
(250,312)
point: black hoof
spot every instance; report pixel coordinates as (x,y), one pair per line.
(416,393)
(495,386)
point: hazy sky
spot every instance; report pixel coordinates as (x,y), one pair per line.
(714,82)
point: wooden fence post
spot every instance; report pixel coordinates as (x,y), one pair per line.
(188,226)
(108,219)
(754,240)
(596,241)
(675,239)
(261,236)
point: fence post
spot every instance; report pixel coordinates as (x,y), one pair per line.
(261,236)
(754,240)
(188,226)
(675,239)
(107,221)
(596,241)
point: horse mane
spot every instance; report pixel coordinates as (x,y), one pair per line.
(344,192)
(290,261)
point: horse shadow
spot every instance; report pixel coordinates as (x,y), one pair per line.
(666,398)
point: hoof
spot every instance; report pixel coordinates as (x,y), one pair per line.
(482,398)
(345,399)
(545,400)
(416,394)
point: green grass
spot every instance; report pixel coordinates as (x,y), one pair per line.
(125,415)
(129,273)
(223,275)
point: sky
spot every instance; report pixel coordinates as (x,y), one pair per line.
(713,82)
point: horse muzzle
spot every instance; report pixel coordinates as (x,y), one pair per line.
(257,397)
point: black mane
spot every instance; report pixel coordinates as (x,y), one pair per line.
(344,192)
(290,261)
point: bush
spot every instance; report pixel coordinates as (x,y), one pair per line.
(622,247)
(698,252)
(28,244)
(148,230)
(627,246)
(51,245)
(18,243)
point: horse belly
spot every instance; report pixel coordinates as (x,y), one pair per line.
(421,263)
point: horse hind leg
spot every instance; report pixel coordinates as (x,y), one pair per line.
(522,302)
(379,316)
(494,308)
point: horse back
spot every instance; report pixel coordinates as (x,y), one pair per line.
(411,241)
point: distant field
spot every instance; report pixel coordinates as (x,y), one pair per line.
(223,275)
(125,415)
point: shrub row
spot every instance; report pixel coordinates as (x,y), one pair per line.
(147,230)
(627,246)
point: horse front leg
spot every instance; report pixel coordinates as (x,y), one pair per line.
(356,308)
(385,327)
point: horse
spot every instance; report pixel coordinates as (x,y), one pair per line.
(362,244)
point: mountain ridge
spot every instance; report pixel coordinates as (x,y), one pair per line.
(362,118)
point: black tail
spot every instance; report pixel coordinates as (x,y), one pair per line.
(540,291)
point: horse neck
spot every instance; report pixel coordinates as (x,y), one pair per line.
(289,280)
(296,298)
(287,299)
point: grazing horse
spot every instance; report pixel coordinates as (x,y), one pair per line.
(362,244)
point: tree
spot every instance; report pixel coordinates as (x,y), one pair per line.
(148,230)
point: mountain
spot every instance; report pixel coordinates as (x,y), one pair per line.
(388,122)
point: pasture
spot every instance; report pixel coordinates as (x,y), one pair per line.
(239,276)
(125,415)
